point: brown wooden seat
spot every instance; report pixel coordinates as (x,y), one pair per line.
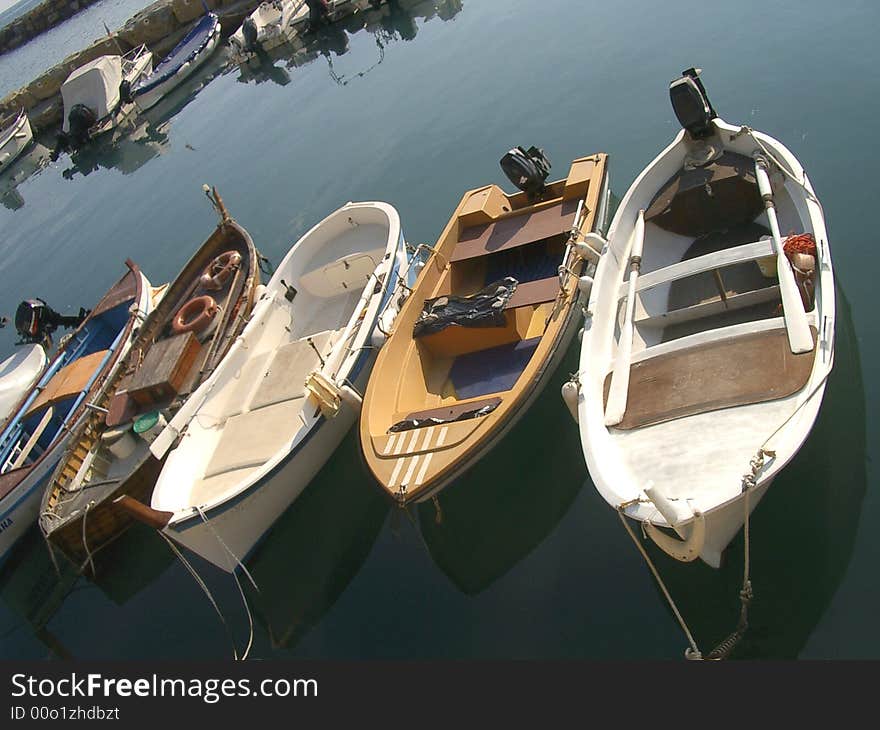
(534,292)
(71,380)
(751,368)
(513,231)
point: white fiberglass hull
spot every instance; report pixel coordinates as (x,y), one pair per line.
(693,466)
(256,434)
(14,140)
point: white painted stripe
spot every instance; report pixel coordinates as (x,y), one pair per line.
(402,459)
(399,447)
(424,470)
(412,468)
(394,474)
(427,442)
(389,443)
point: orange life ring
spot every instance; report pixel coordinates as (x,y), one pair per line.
(195,316)
(219,270)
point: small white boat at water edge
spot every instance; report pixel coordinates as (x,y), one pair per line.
(18,373)
(193,50)
(288,391)
(275,22)
(706,347)
(15,135)
(97,95)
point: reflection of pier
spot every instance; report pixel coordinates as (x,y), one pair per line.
(393,20)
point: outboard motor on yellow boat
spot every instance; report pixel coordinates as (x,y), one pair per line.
(527,169)
(691,104)
(35,321)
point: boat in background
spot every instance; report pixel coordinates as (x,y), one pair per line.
(490,319)
(282,401)
(276,22)
(185,338)
(193,50)
(37,432)
(695,395)
(18,373)
(15,135)
(97,95)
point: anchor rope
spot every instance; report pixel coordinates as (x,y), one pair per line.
(241,565)
(693,652)
(201,583)
(85,542)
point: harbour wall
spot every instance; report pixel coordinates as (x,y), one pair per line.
(160,26)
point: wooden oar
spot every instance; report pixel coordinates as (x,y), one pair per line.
(616,406)
(799,337)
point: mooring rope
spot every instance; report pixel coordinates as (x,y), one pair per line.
(693,652)
(201,583)
(85,542)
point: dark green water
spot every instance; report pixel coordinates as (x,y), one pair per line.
(528,560)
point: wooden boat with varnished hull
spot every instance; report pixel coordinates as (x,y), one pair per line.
(437,402)
(109,454)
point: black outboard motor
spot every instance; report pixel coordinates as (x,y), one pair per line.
(249,31)
(527,169)
(80,120)
(125,92)
(691,104)
(35,321)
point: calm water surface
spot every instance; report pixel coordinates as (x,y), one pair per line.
(527,559)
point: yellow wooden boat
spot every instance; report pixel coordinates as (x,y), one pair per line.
(489,320)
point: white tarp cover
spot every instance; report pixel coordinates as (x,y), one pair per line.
(96,85)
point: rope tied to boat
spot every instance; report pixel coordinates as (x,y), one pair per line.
(88,561)
(693,651)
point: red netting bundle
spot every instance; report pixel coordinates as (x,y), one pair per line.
(801,243)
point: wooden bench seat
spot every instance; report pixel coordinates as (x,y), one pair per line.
(700,264)
(752,367)
(513,231)
(534,292)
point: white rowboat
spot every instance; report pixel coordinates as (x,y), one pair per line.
(711,389)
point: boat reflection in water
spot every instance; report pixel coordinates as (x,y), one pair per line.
(391,21)
(317,547)
(512,499)
(802,537)
(34,589)
(147,135)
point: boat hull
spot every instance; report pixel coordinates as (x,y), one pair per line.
(15,140)
(239,515)
(20,507)
(706,451)
(239,524)
(154,95)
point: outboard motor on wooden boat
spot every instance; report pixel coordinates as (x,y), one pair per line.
(691,104)
(527,169)
(35,320)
